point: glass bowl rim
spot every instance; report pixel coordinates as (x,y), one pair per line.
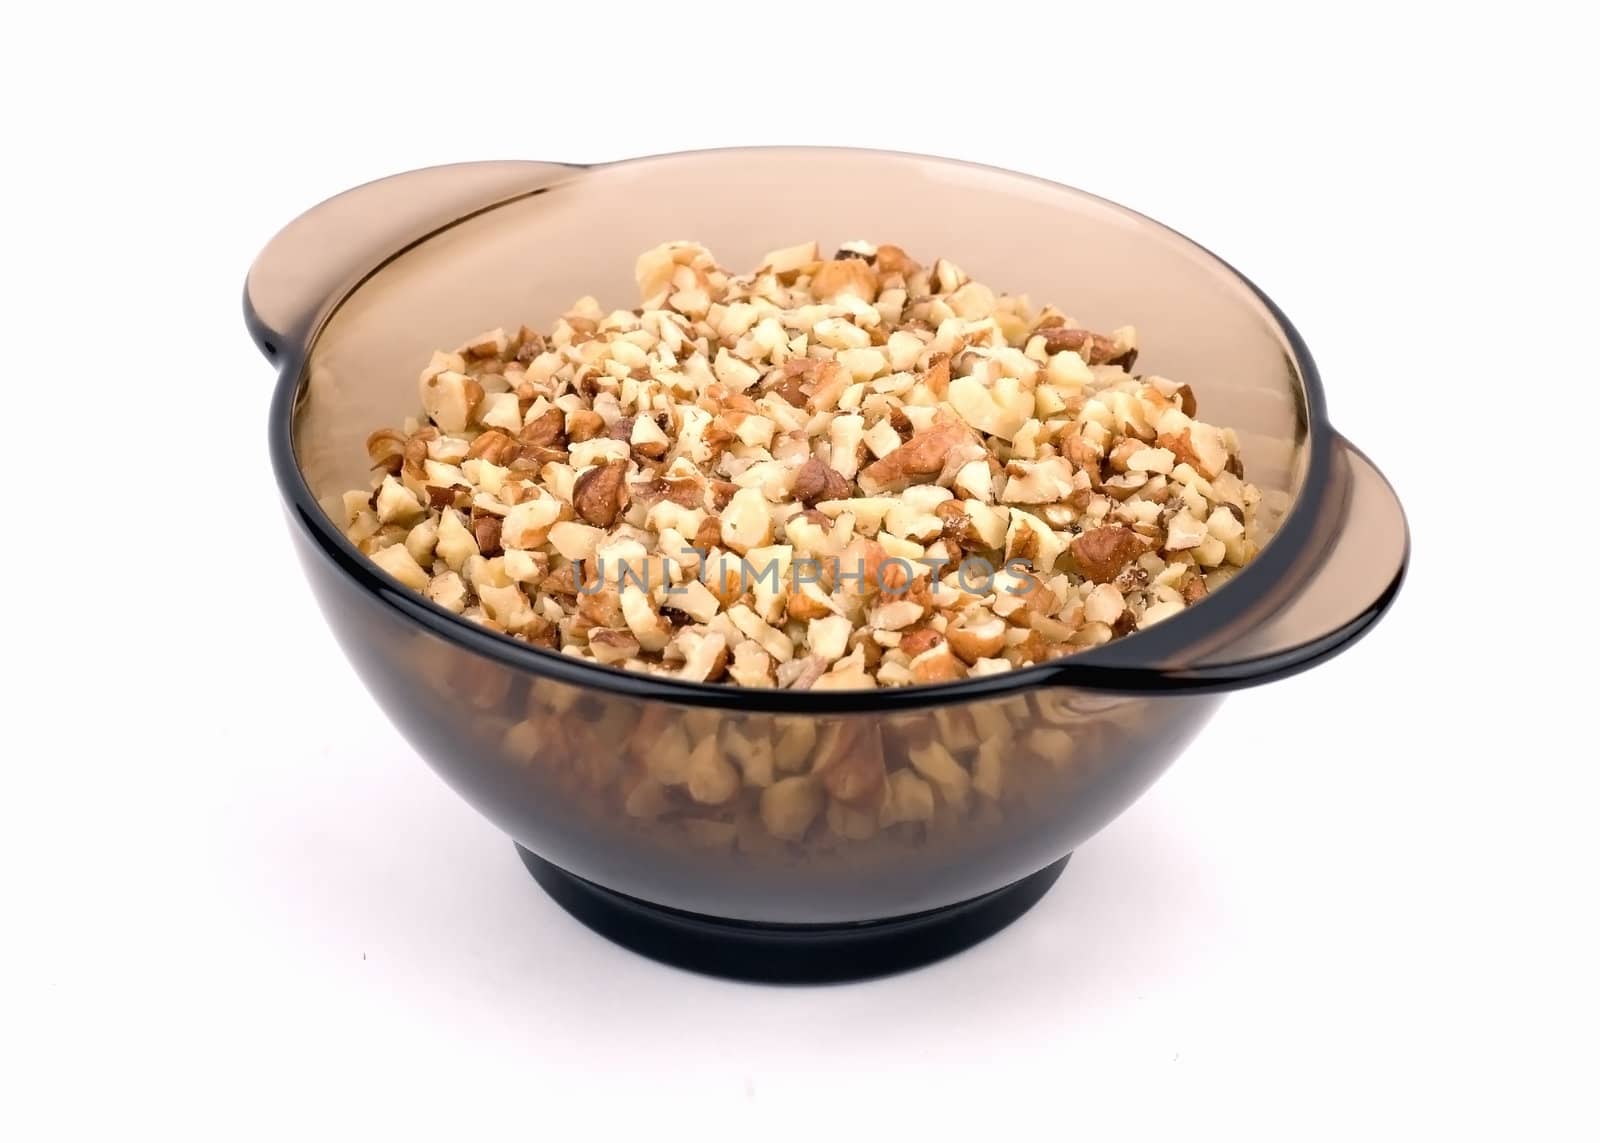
(1142,662)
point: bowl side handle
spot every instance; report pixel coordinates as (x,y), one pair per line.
(1343,580)
(1345,585)
(314,261)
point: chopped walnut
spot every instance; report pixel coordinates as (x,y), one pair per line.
(827,473)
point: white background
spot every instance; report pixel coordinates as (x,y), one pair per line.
(1361,906)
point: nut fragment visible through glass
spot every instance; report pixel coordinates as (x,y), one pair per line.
(829,473)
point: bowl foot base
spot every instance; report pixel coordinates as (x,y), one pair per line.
(789,954)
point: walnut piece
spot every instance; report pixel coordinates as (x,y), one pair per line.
(601,493)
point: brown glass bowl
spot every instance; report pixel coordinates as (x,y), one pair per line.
(350,299)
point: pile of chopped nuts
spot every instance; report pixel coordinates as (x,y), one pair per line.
(827,474)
